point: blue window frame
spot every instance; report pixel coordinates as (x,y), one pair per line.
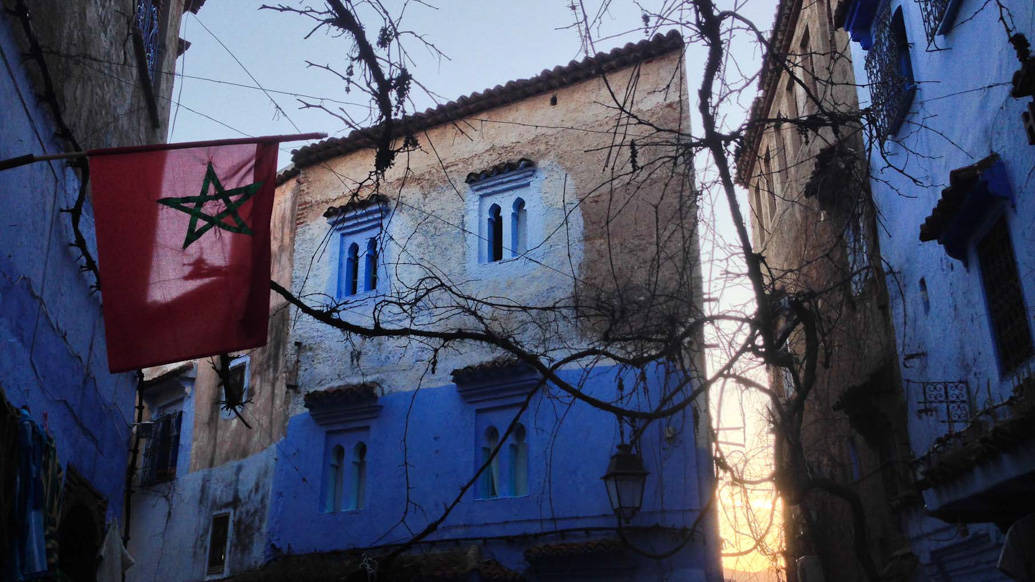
(890,71)
(518,228)
(502,202)
(359,263)
(507,473)
(344,471)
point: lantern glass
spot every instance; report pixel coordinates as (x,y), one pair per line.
(624,480)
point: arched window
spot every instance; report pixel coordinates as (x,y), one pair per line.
(518,228)
(359,476)
(518,462)
(495,232)
(491,475)
(370,268)
(335,473)
(348,278)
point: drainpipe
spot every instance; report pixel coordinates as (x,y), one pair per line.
(131,470)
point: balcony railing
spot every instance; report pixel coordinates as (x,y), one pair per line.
(889,70)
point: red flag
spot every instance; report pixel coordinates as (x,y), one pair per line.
(184,242)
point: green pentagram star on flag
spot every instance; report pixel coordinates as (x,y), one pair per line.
(194,206)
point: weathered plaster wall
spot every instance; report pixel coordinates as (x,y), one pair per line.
(594,233)
(426,443)
(962,112)
(52,352)
(604,233)
(824,244)
(219,439)
(171,521)
(90,54)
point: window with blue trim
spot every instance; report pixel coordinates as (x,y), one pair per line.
(979,195)
(1007,311)
(890,71)
(938,16)
(506,474)
(345,471)
(359,265)
(502,203)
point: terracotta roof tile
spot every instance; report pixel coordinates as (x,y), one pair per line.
(347,394)
(500,168)
(571,549)
(547,80)
(478,370)
(355,204)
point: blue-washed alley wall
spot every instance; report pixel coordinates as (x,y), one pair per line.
(962,112)
(52,350)
(424,445)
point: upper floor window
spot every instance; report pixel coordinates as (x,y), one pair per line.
(501,203)
(163,448)
(890,71)
(1007,310)
(938,16)
(235,392)
(358,265)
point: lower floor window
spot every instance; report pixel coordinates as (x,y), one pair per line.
(218,541)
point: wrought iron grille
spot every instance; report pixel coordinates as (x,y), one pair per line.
(148,27)
(1006,309)
(933,12)
(947,402)
(890,73)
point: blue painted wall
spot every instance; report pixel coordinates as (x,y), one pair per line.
(961,113)
(52,350)
(435,431)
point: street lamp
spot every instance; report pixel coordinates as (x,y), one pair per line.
(624,479)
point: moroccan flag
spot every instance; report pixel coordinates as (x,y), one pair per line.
(183,236)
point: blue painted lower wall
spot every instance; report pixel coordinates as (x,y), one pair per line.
(52,351)
(425,445)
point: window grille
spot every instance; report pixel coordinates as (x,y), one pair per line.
(148,26)
(1006,308)
(934,13)
(890,72)
(162,450)
(947,402)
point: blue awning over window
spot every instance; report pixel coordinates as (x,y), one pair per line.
(859,20)
(974,192)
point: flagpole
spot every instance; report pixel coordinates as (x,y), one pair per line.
(30,158)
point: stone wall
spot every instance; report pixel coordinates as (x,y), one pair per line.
(813,221)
